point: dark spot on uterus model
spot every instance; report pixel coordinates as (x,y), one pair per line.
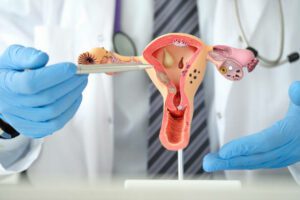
(190,75)
(191,82)
(195,77)
(180,64)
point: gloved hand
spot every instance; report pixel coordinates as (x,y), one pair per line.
(34,99)
(274,147)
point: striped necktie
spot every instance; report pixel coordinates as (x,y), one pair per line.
(176,16)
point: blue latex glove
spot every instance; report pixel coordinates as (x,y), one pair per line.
(274,147)
(39,101)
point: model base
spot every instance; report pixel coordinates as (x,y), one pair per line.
(150,184)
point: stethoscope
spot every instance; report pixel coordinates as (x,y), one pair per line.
(266,62)
(122,43)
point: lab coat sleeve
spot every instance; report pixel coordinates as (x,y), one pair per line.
(295,171)
(17,154)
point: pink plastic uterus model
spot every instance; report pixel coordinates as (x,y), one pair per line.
(179,64)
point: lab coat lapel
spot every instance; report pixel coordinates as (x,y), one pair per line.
(250,21)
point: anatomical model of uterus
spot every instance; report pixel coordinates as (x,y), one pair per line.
(179,63)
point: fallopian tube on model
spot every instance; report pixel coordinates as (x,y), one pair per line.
(179,62)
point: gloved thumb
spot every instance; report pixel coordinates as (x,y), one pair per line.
(294,92)
(17,57)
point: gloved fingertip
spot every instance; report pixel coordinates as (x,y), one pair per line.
(209,164)
(39,60)
(294,92)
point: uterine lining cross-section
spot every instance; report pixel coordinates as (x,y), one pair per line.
(179,70)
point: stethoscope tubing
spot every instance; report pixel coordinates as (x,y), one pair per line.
(265,61)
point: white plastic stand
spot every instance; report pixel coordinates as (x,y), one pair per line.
(181,184)
(180,165)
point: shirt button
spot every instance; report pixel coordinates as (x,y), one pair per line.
(240,38)
(109,120)
(219,115)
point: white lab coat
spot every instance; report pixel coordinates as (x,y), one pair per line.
(261,98)
(236,109)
